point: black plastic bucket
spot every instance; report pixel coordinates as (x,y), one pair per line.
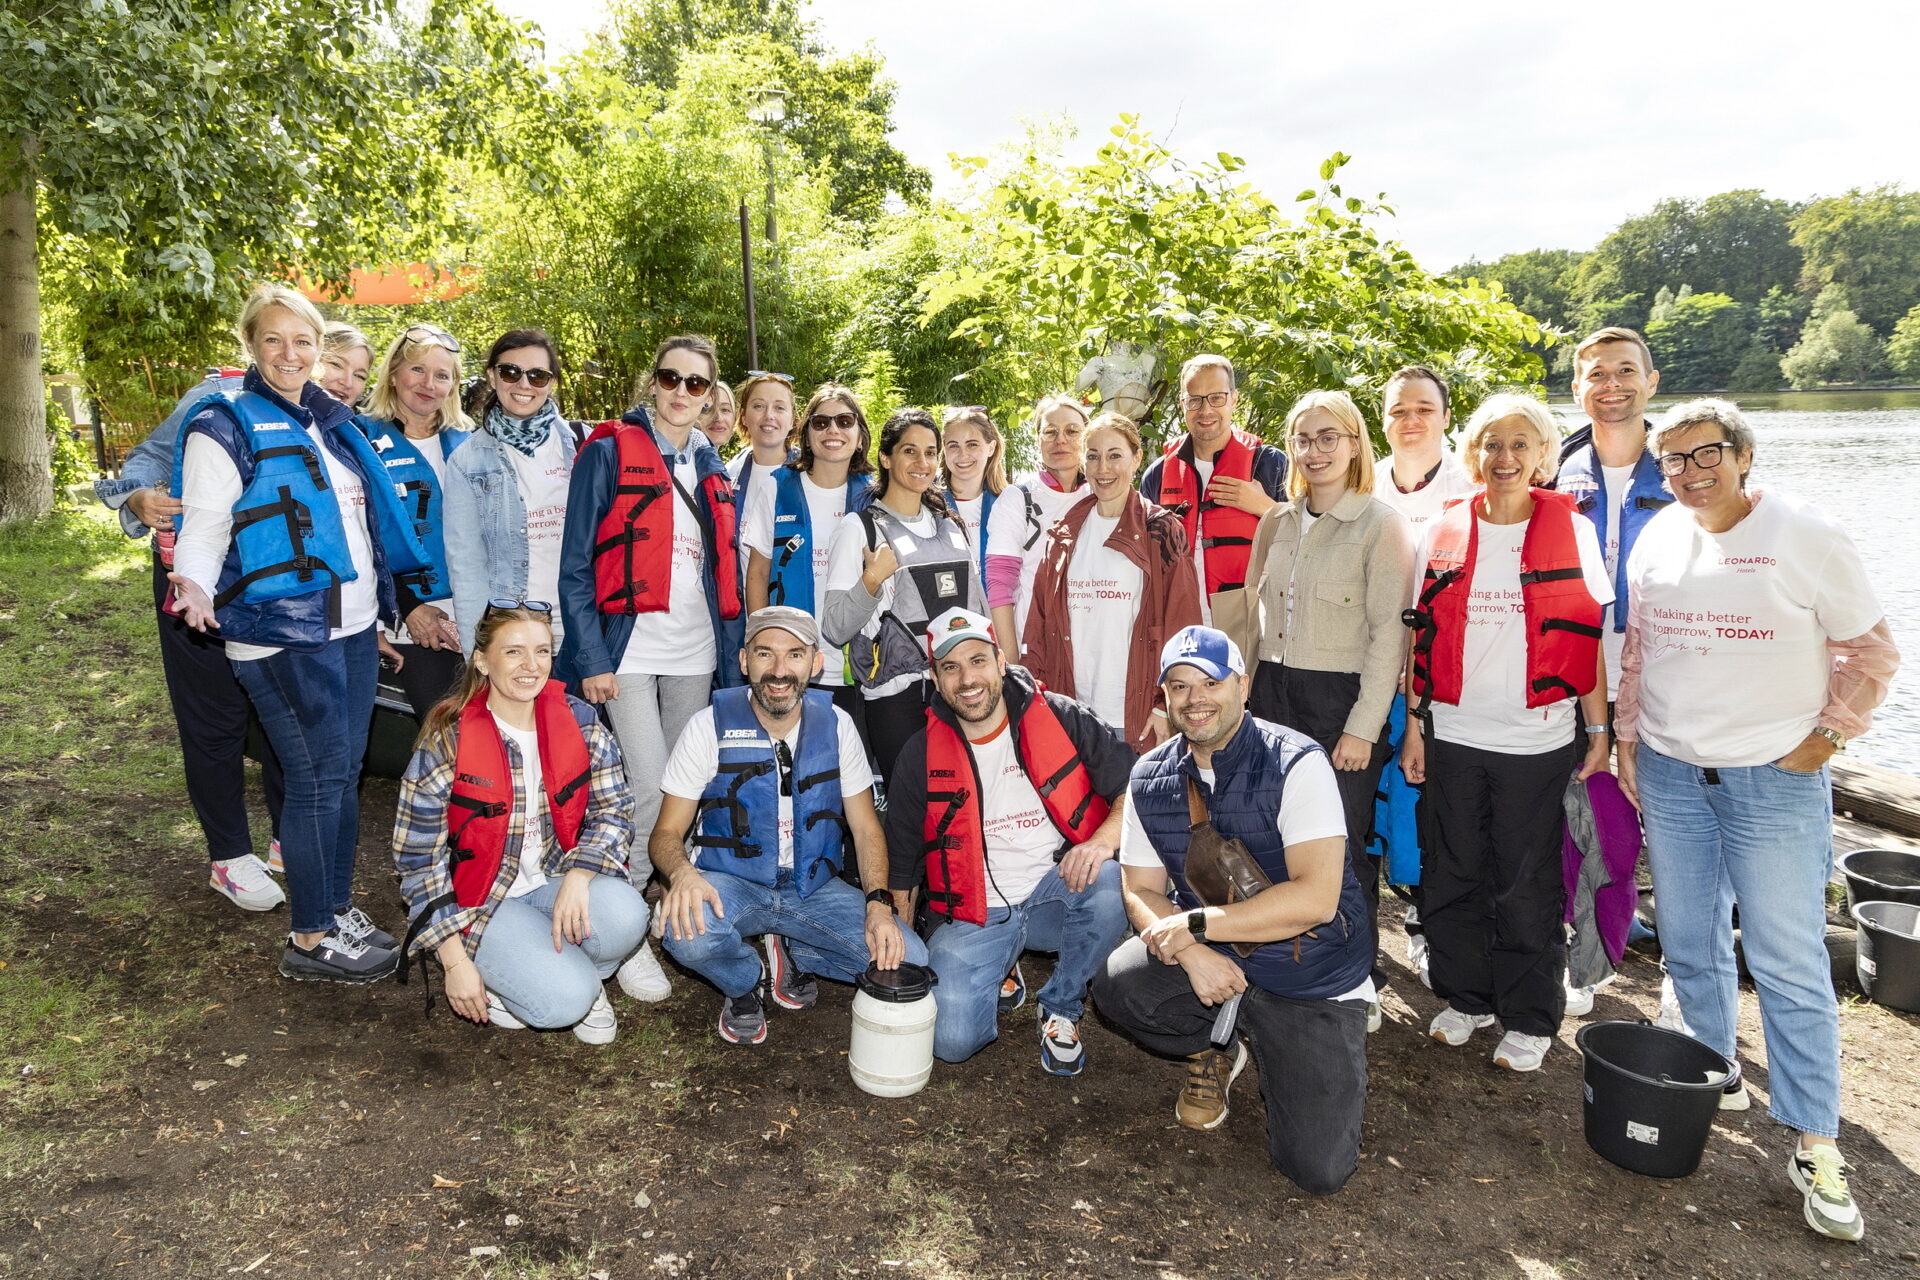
(1651,1096)
(1887,957)
(1881,875)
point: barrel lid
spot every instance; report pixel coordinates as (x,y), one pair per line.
(901,985)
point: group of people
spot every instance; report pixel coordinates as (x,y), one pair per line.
(856,699)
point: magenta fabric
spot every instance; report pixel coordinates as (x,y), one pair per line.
(1617,824)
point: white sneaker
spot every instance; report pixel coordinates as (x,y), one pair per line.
(274,862)
(1580,1001)
(1519,1051)
(642,977)
(1450,1026)
(1736,1098)
(497,1014)
(245,882)
(599,1026)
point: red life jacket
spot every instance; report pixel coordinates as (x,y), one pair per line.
(633,545)
(955,847)
(1224,534)
(1563,620)
(479,811)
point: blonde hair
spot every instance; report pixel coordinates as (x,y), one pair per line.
(266,296)
(384,400)
(339,337)
(1339,406)
(746,389)
(994,480)
(1497,409)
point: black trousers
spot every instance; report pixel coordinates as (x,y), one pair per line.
(1317,704)
(427,675)
(1312,1057)
(1493,894)
(210,711)
(891,723)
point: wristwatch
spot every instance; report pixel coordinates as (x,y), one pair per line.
(1197,923)
(1838,739)
(885,898)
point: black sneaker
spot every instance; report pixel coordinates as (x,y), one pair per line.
(1013,989)
(337,959)
(1061,1052)
(354,924)
(790,988)
(743,1019)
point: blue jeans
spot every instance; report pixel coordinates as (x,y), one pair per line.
(315,709)
(826,932)
(972,960)
(547,988)
(1762,837)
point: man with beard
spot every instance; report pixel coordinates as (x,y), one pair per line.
(778,780)
(1008,804)
(1304,985)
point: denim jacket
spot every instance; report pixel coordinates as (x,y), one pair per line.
(486,529)
(149,464)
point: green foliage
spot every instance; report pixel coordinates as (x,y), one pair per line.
(1539,281)
(878,387)
(1835,348)
(72,460)
(1778,317)
(1758,370)
(1903,348)
(1737,243)
(1869,242)
(1699,338)
(1142,246)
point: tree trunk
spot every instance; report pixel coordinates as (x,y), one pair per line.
(26,482)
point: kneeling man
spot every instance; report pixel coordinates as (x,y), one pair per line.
(1303,991)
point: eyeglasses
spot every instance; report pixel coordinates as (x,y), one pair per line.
(513,373)
(432,333)
(531,606)
(764,373)
(671,378)
(1325,442)
(844,421)
(1211,400)
(1705,458)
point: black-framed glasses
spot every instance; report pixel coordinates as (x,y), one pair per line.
(514,373)
(768,373)
(531,606)
(1325,442)
(844,421)
(1211,400)
(1705,458)
(671,378)
(432,333)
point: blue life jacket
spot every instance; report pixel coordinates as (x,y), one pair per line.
(739,826)
(412,528)
(790,579)
(1250,774)
(288,552)
(1396,827)
(986,512)
(746,474)
(1647,492)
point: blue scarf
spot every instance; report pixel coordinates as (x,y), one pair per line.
(524,434)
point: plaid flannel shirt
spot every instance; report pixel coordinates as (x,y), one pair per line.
(420,849)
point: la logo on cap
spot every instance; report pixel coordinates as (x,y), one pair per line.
(1191,642)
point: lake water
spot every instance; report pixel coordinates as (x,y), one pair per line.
(1856,456)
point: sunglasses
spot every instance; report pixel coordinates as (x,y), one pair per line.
(671,378)
(777,377)
(531,606)
(844,421)
(513,373)
(432,333)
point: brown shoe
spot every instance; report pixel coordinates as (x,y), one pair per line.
(1210,1075)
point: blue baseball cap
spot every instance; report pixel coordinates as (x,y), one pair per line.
(1203,647)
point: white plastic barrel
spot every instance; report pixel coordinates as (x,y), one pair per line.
(890,1053)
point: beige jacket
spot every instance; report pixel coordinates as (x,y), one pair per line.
(1351,579)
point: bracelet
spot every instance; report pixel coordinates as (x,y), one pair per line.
(1595,728)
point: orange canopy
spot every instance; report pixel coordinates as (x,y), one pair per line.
(397,284)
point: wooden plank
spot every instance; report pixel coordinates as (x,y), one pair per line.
(1877,796)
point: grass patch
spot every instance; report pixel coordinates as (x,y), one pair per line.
(64,1042)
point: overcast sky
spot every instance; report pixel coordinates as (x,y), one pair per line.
(1491,127)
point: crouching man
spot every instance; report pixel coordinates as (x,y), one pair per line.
(1304,990)
(778,781)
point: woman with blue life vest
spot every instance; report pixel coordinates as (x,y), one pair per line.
(787,528)
(763,434)
(973,473)
(901,563)
(415,422)
(506,485)
(280,550)
(511,840)
(346,362)
(1508,675)
(1017,533)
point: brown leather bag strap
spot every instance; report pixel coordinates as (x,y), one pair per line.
(1196,811)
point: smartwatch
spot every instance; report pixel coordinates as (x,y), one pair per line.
(883,897)
(1197,923)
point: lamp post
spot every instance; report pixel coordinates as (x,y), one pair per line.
(766,107)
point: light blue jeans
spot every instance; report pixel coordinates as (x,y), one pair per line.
(826,932)
(547,988)
(1762,837)
(972,960)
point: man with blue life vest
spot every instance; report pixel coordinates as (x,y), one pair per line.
(1008,807)
(1296,953)
(773,782)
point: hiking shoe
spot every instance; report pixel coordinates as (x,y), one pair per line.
(1519,1051)
(245,882)
(1821,1175)
(641,977)
(599,1026)
(497,1014)
(1735,1097)
(1210,1075)
(790,988)
(336,959)
(743,1019)
(1061,1052)
(1450,1026)
(1373,1016)
(274,862)
(1580,1001)
(353,923)
(1013,989)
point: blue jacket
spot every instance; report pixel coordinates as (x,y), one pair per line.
(739,828)
(422,503)
(595,642)
(1581,476)
(485,528)
(149,464)
(1250,775)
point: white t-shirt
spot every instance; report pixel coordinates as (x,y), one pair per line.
(1008,531)
(1020,838)
(846,561)
(825,508)
(1423,504)
(761,481)
(680,641)
(1310,809)
(696,760)
(1493,714)
(1204,472)
(967,512)
(542,481)
(1103,599)
(1734,628)
(1618,480)
(533,799)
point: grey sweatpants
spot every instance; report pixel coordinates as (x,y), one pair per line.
(647,718)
